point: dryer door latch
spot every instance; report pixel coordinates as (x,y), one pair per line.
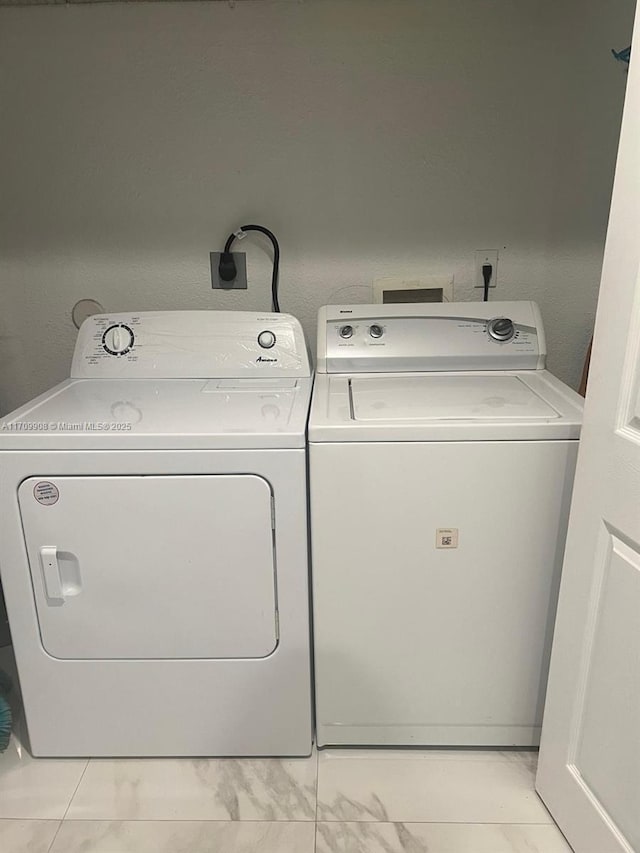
(51,573)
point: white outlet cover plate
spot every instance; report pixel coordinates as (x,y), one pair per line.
(486,256)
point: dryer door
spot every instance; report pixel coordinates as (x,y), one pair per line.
(152,567)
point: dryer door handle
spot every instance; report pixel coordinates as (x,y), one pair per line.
(51,573)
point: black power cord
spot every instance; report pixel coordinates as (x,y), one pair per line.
(487,272)
(227,266)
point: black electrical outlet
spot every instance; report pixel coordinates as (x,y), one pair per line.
(240,280)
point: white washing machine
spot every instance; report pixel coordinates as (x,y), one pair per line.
(442,458)
(153,543)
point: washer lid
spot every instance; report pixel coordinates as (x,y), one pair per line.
(449,398)
(528,405)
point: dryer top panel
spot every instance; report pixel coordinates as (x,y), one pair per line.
(190,345)
(430,337)
(172,414)
(174,380)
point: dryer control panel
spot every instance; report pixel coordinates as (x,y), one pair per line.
(190,345)
(430,337)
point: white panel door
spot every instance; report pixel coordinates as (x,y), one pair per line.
(589,770)
(152,567)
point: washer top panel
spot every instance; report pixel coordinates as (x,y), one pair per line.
(528,405)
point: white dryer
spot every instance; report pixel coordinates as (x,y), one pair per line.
(442,458)
(153,548)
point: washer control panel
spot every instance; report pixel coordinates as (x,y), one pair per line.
(375,331)
(190,344)
(428,337)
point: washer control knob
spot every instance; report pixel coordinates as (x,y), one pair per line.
(118,339)
(266,339)
(501,329)
(376,331)
(346,331)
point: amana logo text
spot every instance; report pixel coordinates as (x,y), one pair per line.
(262,358)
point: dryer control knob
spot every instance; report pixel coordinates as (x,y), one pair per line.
(376,331)
(118,339)
(501,329)
(266,339)
(346,331)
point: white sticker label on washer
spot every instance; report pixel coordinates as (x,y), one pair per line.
(46,493)
(447,537)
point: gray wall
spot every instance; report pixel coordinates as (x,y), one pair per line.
(374,137)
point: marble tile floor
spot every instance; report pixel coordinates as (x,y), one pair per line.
(336,801)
